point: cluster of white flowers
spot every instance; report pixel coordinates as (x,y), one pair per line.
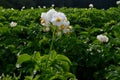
(13,24)
(102,38)
(55,18)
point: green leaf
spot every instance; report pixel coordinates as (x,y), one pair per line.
(59,68)
(28,78)
(57,77)
(69,76)
(36,77)
(37,56)
(65,66)
(43,40)
(23,58)
(53,54)
(63,58)
(95,30)
(63,62)
(84,33)
(4,30)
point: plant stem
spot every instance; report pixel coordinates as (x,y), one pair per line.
(53,36)
(51,45)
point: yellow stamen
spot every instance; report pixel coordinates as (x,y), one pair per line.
(62,27)
(68,27)
(43,21)
(58,19)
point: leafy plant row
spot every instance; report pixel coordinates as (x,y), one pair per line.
(24,48)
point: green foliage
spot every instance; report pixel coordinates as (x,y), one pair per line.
(51,66)
(113,73)
(23,58)
(25,49)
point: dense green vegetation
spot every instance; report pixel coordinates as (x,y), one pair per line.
(24,48)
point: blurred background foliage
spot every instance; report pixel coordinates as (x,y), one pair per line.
(58,3)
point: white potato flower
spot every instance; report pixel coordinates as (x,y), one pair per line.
(67,29)
(44,6)
(39,6)
(117,2)
(58,19)
(50,14)
(44,19)
(12,8)
(65,24)
(102,38)
(13,24)
(91,6)
(23,7)
(52,5)
(32,7)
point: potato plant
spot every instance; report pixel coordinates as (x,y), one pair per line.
(91,51)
